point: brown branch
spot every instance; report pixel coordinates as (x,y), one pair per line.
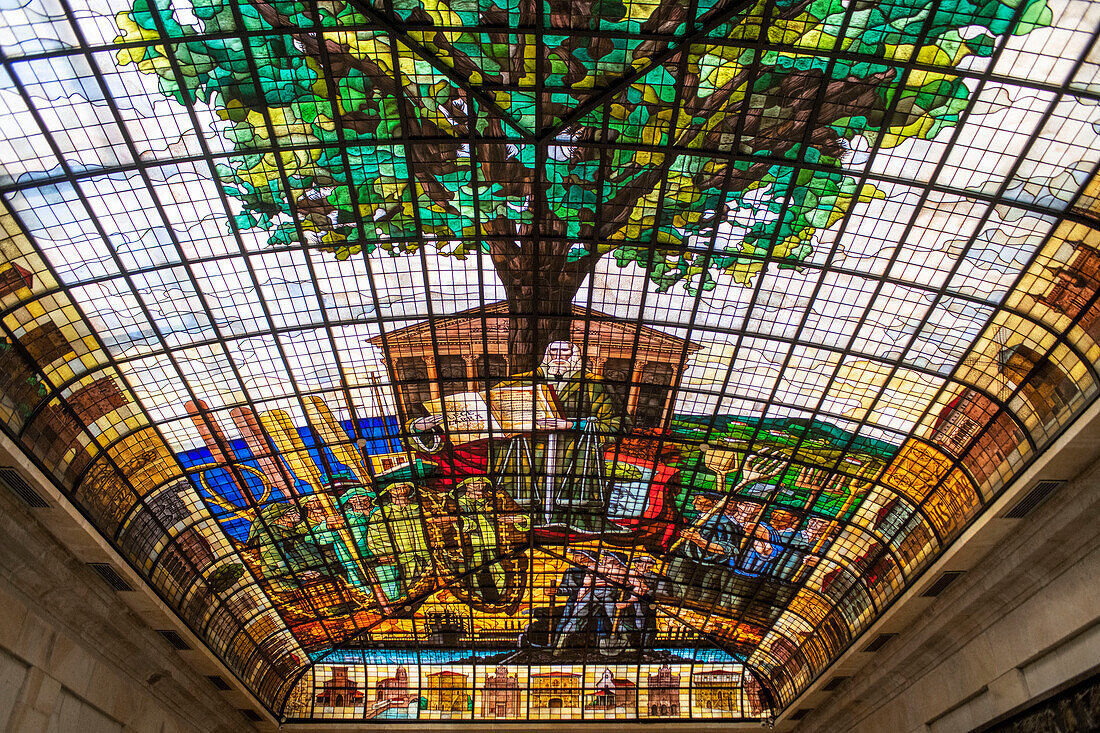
(340,58)
(341,61)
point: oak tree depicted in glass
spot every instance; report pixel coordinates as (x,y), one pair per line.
(546,137)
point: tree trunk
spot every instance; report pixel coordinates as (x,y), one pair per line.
(540,303)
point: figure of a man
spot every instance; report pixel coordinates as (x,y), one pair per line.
(558,473)
(568,588)
(635,613)
(395,540)
(721,540)
(597,597)
(291,553)
(389,539)
(478,522)
(799,544)
(757,558)
(732,540)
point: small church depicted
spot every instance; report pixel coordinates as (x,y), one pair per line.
(612,692)
(339,690)
(393,689)
(500,698)
(468,351)
(664,693)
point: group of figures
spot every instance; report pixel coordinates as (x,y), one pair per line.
(386,544)
(464,515)
(608,603)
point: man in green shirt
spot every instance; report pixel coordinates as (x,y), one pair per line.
(291,549)
(558,473)
(389,539)
(478,523)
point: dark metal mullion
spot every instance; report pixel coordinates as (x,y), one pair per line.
(652,246)
(185,264)
(478,384)
(1001,188)
(694,33)
(597,217)
(842,523)
(739,129)
(353,194)
(104,171)
(534,240)
(395,29)
(292,206)
(350,27)
(768,502)
(994,399)
(1029,84)
(412,187)
(298,394)
(1026,316)
(397,381)
(943,289)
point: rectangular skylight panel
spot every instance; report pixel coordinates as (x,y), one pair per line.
(310,357)
(896,312)
(257,360)
(1065,144)
(1039,60)
(915,161)
(837,310)
(399,284)
(993,141)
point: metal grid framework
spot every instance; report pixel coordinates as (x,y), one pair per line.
(744,311)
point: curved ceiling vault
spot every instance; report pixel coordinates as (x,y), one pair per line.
(616,359)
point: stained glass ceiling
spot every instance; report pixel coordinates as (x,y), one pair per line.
(559,361)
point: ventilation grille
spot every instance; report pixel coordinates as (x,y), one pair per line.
(174,639)
(218,681)
(250,714)
(879,641)
(19,486)
(800,713)
(835,682)
(1038,494)
(942,583)
(110,576)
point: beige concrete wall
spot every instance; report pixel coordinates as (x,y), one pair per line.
(51,683)
(76,658)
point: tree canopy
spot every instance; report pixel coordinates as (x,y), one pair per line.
(549,136)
